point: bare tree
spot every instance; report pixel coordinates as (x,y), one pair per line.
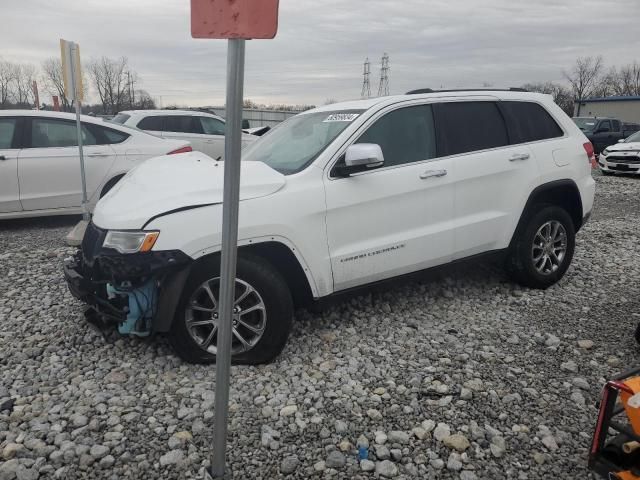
(143,100)
(629,78)
(112,80)
(7,79)
(25,75)
(583,77)
(54,83)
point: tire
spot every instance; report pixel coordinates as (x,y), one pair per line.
(269,313)
(526,263)
(109,185)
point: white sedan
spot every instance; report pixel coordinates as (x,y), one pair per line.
(204,131)
(40,162)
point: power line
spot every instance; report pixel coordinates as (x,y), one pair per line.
(383,87)
(366,84)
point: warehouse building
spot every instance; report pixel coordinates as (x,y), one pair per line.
(626,109)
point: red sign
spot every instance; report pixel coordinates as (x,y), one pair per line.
(234,18)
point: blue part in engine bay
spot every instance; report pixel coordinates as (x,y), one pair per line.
(142,307)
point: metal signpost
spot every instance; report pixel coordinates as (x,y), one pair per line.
(237,21)
(72,76)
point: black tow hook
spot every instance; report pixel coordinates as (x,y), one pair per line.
(95,321)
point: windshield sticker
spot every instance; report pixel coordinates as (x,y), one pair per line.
(341,117)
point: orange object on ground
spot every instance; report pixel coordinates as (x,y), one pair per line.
(625,476)
(631,402)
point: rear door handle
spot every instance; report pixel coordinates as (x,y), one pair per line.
(433,173)
(519,156)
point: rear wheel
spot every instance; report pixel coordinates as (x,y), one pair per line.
(542,251)
(262,314)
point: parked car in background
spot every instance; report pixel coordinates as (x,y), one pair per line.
(204,131)
(604,131)
(335,198)
(623,157)
(40,162)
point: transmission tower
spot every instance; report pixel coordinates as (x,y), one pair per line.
(366,84)
(383,87)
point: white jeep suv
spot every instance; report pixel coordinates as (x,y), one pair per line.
(335,198)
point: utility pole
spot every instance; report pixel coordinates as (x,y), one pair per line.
(366,84)
(383,87)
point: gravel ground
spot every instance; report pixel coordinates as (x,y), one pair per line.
(458,374)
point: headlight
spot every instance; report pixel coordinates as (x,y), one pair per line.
(130,242)
(605,152)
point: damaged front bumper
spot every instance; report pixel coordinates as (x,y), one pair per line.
(136,292)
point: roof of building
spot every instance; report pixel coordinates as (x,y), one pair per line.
(619,98)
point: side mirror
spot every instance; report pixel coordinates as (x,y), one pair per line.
(621,140)
(602,130)
(359,157)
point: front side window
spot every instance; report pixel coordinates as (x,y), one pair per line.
(469,126)
(7,129)
(211,126)
(295,143)
(529,122)
(405,135)
(50,133)
(605,126)
(153,124)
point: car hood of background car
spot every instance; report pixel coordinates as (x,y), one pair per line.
(175,182)
(624,147)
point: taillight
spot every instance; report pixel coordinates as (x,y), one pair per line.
(591,154)
(188,149)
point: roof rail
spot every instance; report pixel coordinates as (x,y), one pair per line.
(429,90)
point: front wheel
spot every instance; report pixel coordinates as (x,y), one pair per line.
(542,251)
(262,314)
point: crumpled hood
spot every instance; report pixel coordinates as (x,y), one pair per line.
(624,147)
(173,182)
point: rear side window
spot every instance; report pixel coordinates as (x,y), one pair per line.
(7,129)
(616,125)
(182,124)
(151,123)
(529,122)
(405,135)
(469,126)
(113,136)
(50,133)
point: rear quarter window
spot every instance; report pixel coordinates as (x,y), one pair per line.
(529,122)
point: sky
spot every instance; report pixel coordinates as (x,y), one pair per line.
(321,45)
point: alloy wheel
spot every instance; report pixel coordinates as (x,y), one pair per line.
(549,247)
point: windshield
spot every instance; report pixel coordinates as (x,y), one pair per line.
(295,143)
(120,118)
(633,138)
(585,123)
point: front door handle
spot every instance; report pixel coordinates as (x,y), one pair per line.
(519,156)
(98,154)
(433,173)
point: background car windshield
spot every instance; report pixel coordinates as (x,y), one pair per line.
(120,118)
(294,144)
(585,123)
(633,138)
